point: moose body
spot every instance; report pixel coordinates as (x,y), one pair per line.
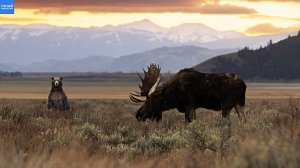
(189,89)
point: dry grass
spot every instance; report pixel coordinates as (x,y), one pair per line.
(105,133)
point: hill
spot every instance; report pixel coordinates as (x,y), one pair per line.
(279,61)
(169,58)
(88,64)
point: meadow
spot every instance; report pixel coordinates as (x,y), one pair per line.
(101,130)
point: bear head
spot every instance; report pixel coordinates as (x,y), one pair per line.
(57,82)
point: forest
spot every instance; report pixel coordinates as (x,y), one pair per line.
(275,61)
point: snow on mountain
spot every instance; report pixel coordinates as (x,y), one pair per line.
(25,44)
(199,33)
(145,24)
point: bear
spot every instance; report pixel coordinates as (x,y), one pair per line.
(57,99)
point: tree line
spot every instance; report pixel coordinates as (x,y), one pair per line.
(274,61)
(11,74)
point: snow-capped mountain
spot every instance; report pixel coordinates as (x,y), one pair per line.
(185,33)
(34,43)
(21,44)
(145,25)
(198,33)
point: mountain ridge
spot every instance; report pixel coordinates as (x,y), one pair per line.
(276,61)
(171,59)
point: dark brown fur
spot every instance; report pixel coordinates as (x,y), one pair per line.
(57,99)
(189,89)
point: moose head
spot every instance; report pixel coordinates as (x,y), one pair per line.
(149,95)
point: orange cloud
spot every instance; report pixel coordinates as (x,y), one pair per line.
(225,9)
(260,16)
(268,29)
(272,0)
(20,20)
(133,6)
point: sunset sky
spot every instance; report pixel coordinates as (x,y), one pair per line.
(252,17)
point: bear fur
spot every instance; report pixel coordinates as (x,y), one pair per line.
(57,99)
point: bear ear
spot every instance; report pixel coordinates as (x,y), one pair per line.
(52,78)
(61,78)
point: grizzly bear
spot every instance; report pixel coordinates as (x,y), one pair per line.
(57,99)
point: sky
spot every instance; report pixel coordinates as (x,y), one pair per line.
(251,17)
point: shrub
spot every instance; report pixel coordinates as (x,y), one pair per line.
(18,116)
(88,133)
(121,136)
(41,123)
(163,142)
(267,154)
(198,137)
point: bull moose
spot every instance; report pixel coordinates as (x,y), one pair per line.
(186,91)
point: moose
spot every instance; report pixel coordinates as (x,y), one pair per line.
(186,91)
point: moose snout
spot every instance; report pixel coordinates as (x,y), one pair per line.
(141,117)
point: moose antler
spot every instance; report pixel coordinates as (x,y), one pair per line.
(149,83)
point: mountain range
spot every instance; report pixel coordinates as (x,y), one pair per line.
(32,47)
(171,59)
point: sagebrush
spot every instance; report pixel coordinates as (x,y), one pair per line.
(105,133)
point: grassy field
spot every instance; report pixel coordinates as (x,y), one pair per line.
(102,130)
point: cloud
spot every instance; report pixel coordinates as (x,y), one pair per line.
(133,6)
(268,29)
(260,16)
(19,19)
(128,3)
(297,1)
(225,9)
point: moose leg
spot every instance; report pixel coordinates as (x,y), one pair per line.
(190,114)
(226,113)
(158,116)
(240,111)
(226,107)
